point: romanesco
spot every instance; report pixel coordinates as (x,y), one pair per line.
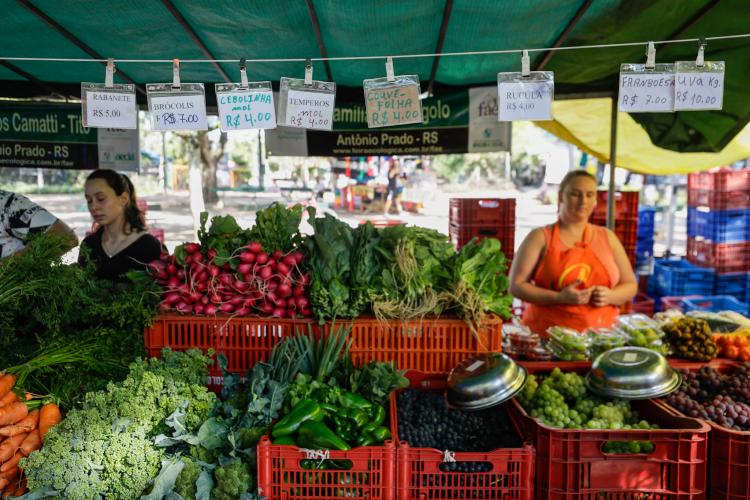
(232,480)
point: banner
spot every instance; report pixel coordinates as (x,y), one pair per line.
(461,122)
(53,136)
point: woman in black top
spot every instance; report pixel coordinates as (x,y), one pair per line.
(395,187)
(122,243)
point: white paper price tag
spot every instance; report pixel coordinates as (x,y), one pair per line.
(525,98)
(183,109)
(390,103)
(249,108)
(646,90)
(698,88)
(306,106)
(113,107)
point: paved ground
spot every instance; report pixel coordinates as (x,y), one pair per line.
(172,214)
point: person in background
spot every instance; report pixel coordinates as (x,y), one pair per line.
(572,273)
(21,219)
(395,187)
(121,243)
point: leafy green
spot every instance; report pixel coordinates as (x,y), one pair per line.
(164,482)
(277,228)
(224,236)
(365,266)
(376,380)
(329,252)
(186,483)
(232,480)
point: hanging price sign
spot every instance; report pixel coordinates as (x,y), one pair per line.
(109,107)
(525,97)
(245,107)
(698,87)
(306,106)
(177,109)
(645,90)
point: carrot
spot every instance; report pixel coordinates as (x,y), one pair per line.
(9,447)
(49,417)
(10,397)
(32,443)
(27,424)
(13,413)
(11,462)
(9,477)
(21,490)
(6,383)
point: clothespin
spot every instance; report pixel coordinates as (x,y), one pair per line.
(525,66)
(699,61)
(243,73)
(176,74)
(389,75)
(308,72)
(109,74)
(650,56)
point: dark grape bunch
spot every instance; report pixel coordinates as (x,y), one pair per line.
(425,421)
(710,395)
(467,467)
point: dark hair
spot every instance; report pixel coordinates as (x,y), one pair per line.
(120,183)
(570,176)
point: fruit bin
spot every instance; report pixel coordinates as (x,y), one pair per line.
(626,205)
(723,257)
(461,234)
(570,463)
(281,474)
(419,474)
(431,345)
(719,200)
(680,277)
(720,180)
(714,303)
(471,211)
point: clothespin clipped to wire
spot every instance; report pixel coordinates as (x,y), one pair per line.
(699,61)
(389,74)
(525,65)
(109,74)
(650,56)
(243,73)
(176,74)
(308,72)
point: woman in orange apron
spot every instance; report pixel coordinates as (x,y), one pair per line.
(572,273)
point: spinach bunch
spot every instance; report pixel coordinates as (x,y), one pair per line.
(277,228)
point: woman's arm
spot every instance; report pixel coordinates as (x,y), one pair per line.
(521,271)
(627,287)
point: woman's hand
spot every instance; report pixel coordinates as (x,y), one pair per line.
(601,296)
(572,295)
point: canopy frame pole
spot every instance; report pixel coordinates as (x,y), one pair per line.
(565,33)
(441,40)
(319,37)
(75,40)
(612,164)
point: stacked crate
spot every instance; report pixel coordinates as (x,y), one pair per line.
(718,228)
(644,248)
(626,219)
(484,218)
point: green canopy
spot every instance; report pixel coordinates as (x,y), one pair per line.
(232,29)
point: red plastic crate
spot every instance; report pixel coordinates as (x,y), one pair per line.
(418,474)
(626,230)
(430,345)
(719,200)
(493,211)
(720,180)
(571,464)
(281,475)
(461,234)
(626,205)
(723,257)
(643,304)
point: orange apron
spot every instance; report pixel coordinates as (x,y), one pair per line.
(562,266)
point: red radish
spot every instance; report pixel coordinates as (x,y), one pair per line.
(225,279)
(265,273)
(272,264)
(290,303)
(299,291)
(284,290)
(201,286)
(213,271)
(302,303)
(211,253)
(172,298)
(205,300)
(198,308)
(245,267)
(173,282)
(210,309)
(283,269)
(255,247)
(202,276)
(215,298)
(306,312)
(247,257)
(197,257)
(183,308)
(194,297)
(227,266)
(290,261)
(226,307)
(271,296)
(298,256)
(242,312)
(157,266)
(162,276)
(247,277)
(192,247)
(171,269)
(240,286)
(248,303)
(276,255)
(291,314)
(181,274)
(280,302)
(279,312)
(261,258)
(304,279)
(164,256)
(237,300)
(164,307)
(267,308)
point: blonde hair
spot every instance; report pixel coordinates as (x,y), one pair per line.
(570,176)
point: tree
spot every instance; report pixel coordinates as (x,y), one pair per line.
(211,152)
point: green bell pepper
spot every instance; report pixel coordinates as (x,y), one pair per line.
(358,417)
(366,440)
(303,411)
(381,434)
(368,429)
(320,436)
(351,400)
(377,414)
(286,440)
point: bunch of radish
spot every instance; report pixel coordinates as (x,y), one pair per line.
(259,283)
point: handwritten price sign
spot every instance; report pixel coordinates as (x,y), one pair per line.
(699,88)
(646,91)
(242,110)
(178,112)
(310,110)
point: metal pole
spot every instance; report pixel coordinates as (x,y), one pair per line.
(612,163)
(261,166)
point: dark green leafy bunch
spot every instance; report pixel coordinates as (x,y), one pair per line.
(481,283)
(376,380)
(365,266)
(277,228)
(224,236)
(329,252)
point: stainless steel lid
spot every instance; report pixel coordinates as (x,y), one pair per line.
(483,381)
(632,373)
